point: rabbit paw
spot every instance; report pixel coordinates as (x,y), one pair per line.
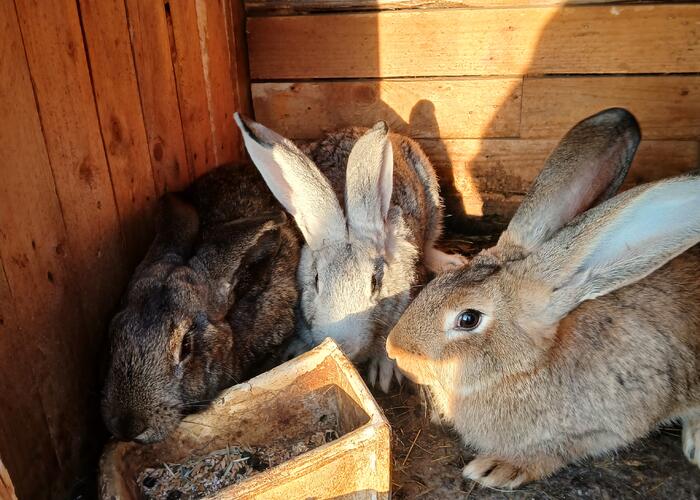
(496,472)
(438,261)
(691,439)
(383,369)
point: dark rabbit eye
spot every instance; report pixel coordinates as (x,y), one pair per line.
(316,281)
(377,276)
(468,320)
(186,346)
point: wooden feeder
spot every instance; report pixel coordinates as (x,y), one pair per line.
(275,407)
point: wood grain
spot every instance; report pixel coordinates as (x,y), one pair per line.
(150,41)
(448,108)
(457,42)
(42,358)
(490,176)
(667,107)
(121,121)
(213,32)
(286,7)
(191,85)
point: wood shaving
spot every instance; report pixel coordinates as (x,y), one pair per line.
(202,476)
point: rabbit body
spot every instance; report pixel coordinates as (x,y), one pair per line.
(579,332)
(361,265)
(212,300)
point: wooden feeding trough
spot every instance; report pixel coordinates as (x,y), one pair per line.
(278,408)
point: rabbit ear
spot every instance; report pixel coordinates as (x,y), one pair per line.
(619,242)
(585,168)
(369,183)
(177,226)
(296,182)
(227,249)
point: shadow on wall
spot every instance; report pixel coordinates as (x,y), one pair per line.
(488,136)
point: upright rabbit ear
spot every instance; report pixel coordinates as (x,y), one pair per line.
(228,249)
(369,183)
(296,182)
(619,242)
(177,226)
(587,167)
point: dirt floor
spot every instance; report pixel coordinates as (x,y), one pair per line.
(428,461)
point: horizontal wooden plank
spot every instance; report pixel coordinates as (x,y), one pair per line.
(667,107)
(286,7)
(479,107)
(457,42)
(489,177)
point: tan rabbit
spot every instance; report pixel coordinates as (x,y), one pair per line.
(579,332)
(368,205)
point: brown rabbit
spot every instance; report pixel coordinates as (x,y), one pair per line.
(212,300)
(577,333)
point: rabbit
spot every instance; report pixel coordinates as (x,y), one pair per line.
(213,299)
(579,331)
(359,267)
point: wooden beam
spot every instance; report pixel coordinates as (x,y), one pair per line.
(459,42)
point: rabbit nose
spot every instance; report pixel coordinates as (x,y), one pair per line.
(126,427)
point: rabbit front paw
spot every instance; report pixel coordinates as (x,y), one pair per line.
(497,472)
(691,438)
(438,261)
(383,369)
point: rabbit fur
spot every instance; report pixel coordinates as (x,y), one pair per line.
(360,266)
(212,300)
(588,308)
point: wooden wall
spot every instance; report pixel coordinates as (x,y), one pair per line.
(488,87)
(105,105)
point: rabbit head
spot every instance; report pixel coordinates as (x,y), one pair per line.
(171,346)
(343,271)
(493,318)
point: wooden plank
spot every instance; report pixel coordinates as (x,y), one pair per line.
(457,108)
(458,42)
(489,177)
(216,56)
(43,421)
(61,273)
(667,107)
(121,120)
(192,93)
(7,490)
(236,21)
(150,40)
(287,7)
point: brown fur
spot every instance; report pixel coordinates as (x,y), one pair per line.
(213,299)
(546,381)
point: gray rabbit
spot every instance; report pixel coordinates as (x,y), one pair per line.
(360,266)
(212,300)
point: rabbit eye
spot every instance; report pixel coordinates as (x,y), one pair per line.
(468,320)
(186,346)
(377,276)
(316,281)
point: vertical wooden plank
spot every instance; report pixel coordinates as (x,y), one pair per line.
(57,62)
(189,74)
(216,57)
(121,121)
(150,41)
(238,50)
(41,363)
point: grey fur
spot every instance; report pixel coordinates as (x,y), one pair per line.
(219,282)
(385,235)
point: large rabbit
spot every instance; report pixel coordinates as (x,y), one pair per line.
(568,338)
(359,268)
(212,300)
